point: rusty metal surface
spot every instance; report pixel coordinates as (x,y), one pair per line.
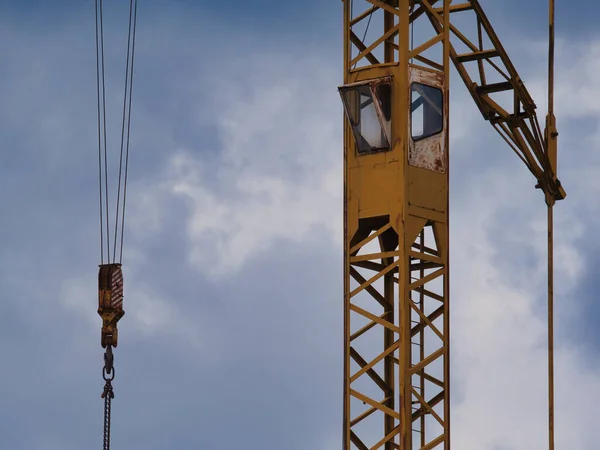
(399,199)
(117,289)
(395,233)
(507,104)
(110,302)
(428,153)
(110,285)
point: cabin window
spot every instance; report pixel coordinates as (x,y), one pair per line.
(368,108)
(426,111)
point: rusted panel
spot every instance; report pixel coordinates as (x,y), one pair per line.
(428,153)
(111,287)
(432,78)
(117,288)
(110,302)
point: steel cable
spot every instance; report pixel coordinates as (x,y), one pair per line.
(125,129)
(550,203)
(108,370)
(108,396)
(119,224)
(104,130)
(128,129)
(99,135)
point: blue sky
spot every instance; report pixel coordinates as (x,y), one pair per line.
(232,333)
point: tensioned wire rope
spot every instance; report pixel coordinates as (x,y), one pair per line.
(119,224)
(108,370)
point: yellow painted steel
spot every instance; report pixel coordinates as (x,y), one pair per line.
(110,302)
(396,245)
(396,365)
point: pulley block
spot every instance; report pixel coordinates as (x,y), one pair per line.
(110,301)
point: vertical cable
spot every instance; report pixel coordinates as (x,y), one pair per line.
(365,34)
(550,327)
(128,129)
(104,126)
(422,324)
(412,31)
(99,137)
(125,133)
(551,240)
(551,59)
(123,130)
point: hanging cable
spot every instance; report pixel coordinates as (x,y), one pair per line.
(125,130)
(551,149)
(365,34)
(128,130)
(110,277)
(108,373)
(101,17)
(551,59)
(102,147)
(99,136)
(412,30)
(550,327)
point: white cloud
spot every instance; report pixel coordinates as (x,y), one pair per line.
(279,171)
(278,176)
(147,313)
(498,340)
(577,89)
(499,335)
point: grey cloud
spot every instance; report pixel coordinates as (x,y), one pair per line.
(252,356)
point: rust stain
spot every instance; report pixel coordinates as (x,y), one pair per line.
(427,77)
(428,153)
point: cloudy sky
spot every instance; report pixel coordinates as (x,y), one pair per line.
(233,263)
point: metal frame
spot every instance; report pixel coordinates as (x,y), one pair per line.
(396,364)
(372,85)
(409,392)
(500,94)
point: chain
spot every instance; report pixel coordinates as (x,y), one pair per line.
(108,373)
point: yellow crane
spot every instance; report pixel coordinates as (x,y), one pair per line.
(397,58)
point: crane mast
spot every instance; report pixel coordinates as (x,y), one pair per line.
(396,204)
